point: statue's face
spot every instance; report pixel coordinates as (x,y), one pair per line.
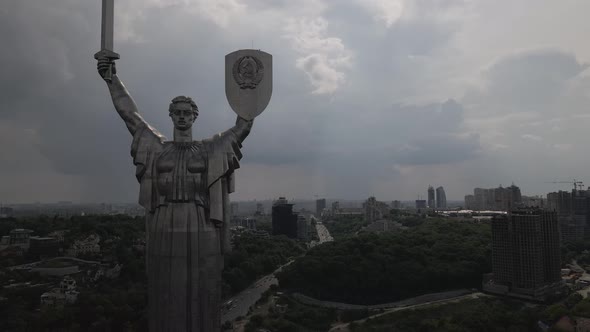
(182,116)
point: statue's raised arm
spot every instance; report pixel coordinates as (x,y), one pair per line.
(242,128)
(123,102)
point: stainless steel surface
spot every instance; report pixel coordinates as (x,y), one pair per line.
(184,187)
(248,82)
(106,39)
(107,26)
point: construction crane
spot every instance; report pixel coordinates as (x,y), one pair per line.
(576,184)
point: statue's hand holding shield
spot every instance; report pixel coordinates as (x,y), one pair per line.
(248,82)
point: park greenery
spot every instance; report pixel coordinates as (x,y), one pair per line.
(252,257)
(435,256)
(577,250)
(345,226)
(118,304)
(297,318)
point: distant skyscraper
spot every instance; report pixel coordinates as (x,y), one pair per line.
(320,205)
(284,221)
(302,228)
(431,201)
(526,255)
(573,213)
(441,198)
(372,213)
(259,209)
(374,209)
(497,199)
(469,202)
(396,204)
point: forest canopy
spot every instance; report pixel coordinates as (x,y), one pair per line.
(371,269)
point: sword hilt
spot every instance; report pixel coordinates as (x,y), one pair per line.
(107,54)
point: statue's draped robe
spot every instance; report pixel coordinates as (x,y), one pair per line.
(184,188)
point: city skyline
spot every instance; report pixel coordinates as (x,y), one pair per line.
(311,198)
(444,90)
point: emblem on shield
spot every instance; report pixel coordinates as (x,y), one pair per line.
(248,82)
(248,72)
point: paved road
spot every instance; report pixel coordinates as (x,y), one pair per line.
(248,297)
(243,301)
(323,233)
(425,298)
(34,264)
(344,327)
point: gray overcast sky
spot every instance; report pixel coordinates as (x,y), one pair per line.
(371,97)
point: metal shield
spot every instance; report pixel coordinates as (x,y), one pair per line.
(248,82)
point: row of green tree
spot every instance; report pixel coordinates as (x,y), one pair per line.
(438,255)
(253,257)
(120,304)
(345,226)
(297,318)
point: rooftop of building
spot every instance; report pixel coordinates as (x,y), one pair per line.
(20,230)
(42,238)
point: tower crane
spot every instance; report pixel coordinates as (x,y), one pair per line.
(575,183)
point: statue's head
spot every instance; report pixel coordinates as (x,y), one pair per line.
(183,111)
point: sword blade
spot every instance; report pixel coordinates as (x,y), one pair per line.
(108,21)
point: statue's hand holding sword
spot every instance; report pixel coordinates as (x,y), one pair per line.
(106,55)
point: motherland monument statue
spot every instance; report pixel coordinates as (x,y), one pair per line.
(185,186)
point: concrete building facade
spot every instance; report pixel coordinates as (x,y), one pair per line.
(526,259)
(431,198)
(284,221)
(441,198)
(320,205)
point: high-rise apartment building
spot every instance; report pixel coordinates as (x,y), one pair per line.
(573,213)
(497,199)
(431,200)
(320,205)
(526,255)
(259,209)
(441,198)
(302,228)
(374,209)
(469,202)
(420,204)
(284,221)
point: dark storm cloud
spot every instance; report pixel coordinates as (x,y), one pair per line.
(431,134)
(438,149)
(357,66)
(527,81)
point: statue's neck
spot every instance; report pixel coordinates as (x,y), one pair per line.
(183,136)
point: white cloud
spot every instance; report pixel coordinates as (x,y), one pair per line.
(323,59)
(221,12)
(385,11)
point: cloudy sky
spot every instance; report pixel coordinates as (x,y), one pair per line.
(370,97)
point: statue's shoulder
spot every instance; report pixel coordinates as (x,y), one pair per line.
(203,145)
